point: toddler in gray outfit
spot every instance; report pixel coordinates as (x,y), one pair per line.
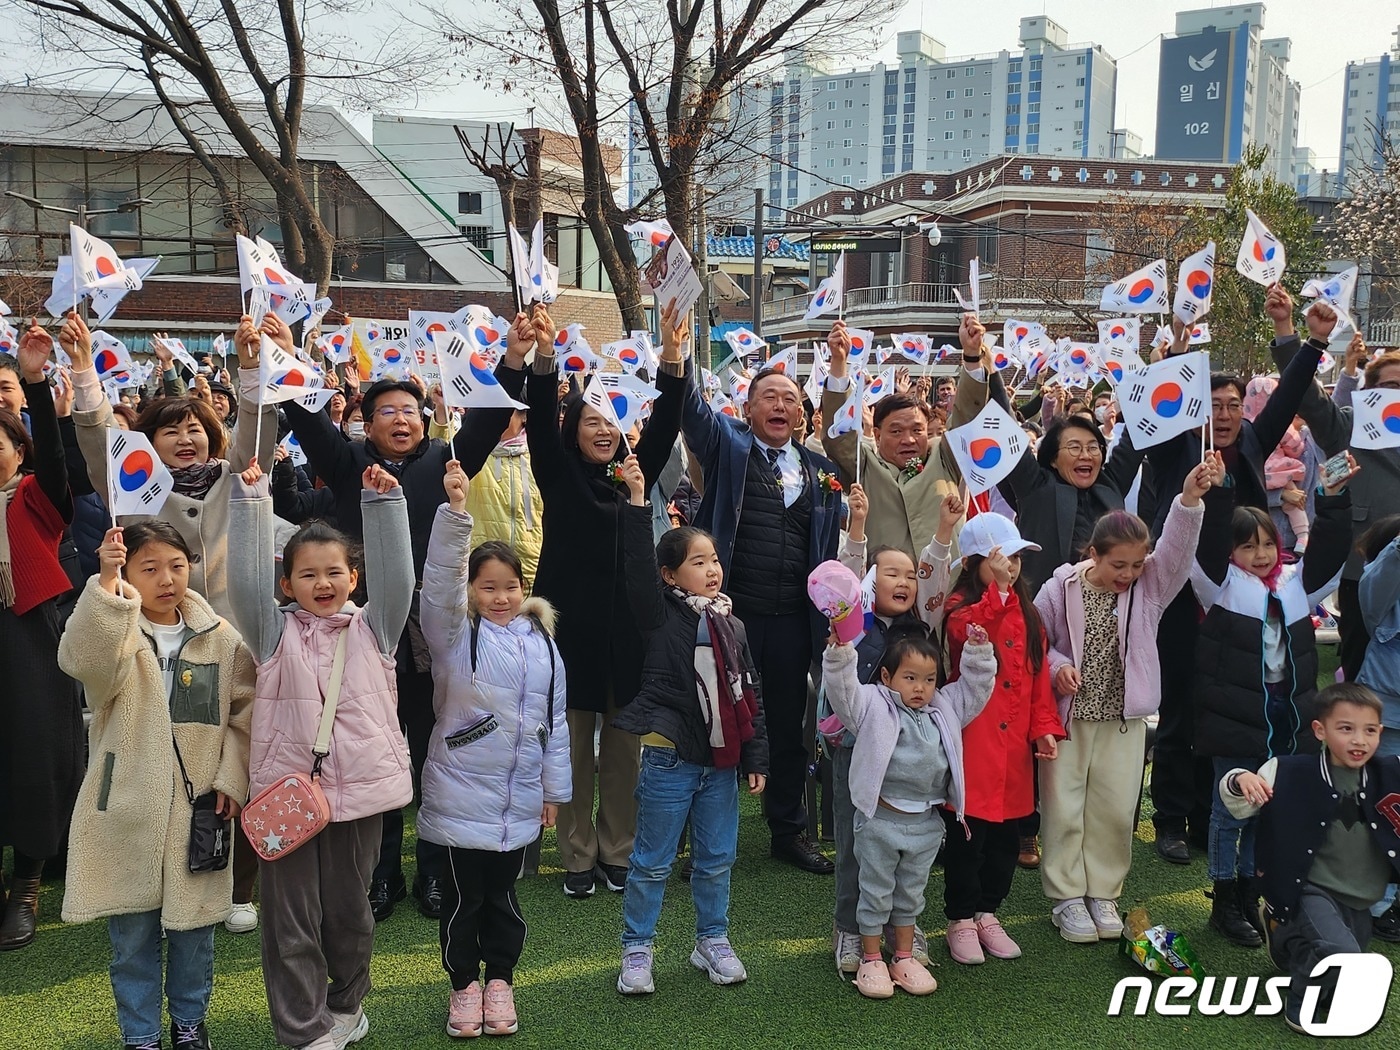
(907,762)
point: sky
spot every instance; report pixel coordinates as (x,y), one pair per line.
(1325,37)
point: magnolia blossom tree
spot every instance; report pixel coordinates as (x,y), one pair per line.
(1366,227)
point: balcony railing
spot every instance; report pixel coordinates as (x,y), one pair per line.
(999,295)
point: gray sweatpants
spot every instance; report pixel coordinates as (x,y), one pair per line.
(317,929)
(843,812)
(1324,926)
(896,852)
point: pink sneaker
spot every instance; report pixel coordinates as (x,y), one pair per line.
(963,942)
(464,1012)
(995,939)
(499,1010)
(910,975)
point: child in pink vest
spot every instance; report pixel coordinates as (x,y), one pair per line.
(318,932)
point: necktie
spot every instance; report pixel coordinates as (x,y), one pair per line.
(773,454)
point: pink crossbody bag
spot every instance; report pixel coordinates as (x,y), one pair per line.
(290,813)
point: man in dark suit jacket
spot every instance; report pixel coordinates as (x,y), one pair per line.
(774,519)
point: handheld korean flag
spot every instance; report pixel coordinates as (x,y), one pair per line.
(281,377)
(573,353)
(914,346)
(722,406)
(96,264)
(743,342)
(319,309)
(1261,257)
(1194,283)
(880,386)
(1079,361)
(1014,333)
(485,333)
(1336,291)
(628,395)
(109,355)
(138,482)
(219,347)
(65,293)
(1141,292)
(597,397)
(815,381)
(1200,335)
(974,282)
(544,275)
(424,324)
(260,270)
(294,450)
(738,387)
(1167,398)
(180,354)
(784,361)
(1002,358)
(987,448)
(633,353)
(390,359)
(105,300)
(1119,362)
(829,295)
(847,419)
(336,347)
(1121,331)
(862,343)
(315,400)
(655,234)
(711,381)
(520,266)
(467,380)
(1375,419)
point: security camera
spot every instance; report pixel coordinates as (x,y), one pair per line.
(935,236)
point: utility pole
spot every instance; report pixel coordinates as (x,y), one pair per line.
(756,295)
(702,235)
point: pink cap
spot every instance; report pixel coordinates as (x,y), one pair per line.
(835,591)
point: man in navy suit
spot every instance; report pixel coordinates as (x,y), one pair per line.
(774,520)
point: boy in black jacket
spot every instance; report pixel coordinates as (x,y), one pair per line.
(1329,837)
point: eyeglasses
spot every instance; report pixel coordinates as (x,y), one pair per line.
(390,412)
(1075,449)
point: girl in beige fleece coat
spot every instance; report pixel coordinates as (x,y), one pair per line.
(156,663)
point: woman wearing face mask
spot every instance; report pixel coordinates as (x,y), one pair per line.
(352,421)
(576,466)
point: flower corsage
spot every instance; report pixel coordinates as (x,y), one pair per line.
(828,481)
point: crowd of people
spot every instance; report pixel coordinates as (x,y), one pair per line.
(529,620)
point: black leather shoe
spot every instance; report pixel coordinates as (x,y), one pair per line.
(428,890)
(613,876)
(1227,917)
(1386,926)
(189,1037)
(382,895)
(801,852)
(1172,847)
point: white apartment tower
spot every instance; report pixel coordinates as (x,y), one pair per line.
(1370,110)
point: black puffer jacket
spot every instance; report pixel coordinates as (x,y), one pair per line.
(668,702)
(1234,716)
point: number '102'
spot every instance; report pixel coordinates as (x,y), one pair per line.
(1197,127)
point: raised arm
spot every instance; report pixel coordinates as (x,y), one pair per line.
(661,429)
(252,567)
(389,579)
(1329,545)
(1299,374)
(977,677)
(50,464)
(843,690)
(482,428)
(1328,419)
(1124,461)
(442,606)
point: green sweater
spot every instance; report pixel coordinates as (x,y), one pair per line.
(1349,865)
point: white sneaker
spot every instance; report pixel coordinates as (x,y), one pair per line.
(243,919)
(1074,922)
(348,1028)
(1105,916)
(846,947)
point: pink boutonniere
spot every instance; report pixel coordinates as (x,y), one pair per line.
(828,482)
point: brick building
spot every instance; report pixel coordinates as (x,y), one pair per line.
(1040,226)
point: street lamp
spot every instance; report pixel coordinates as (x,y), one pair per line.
(81,213)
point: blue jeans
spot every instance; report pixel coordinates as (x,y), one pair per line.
(1231,839)
(136,973)
(669,790)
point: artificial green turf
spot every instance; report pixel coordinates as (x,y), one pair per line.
(56,993)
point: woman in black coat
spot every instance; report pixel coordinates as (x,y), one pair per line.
(575,464)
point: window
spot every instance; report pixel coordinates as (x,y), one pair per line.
(1013,109)
(948,114)
(845,162)
(1079,60)
(908,138)
(847,123)
(969,72)
(477,236)
(1013,89)
(830,124)
(845,143)
(831,104)
(1012,130)
(950,74)
(1078,126)
(967,154)
(1014,66)
(1032,107)
(1035,64)
(951,94)
(967,114)
(831,85)
(969,92)
(831,162)
(849,84)
(1079,82)
(967,133)
(848,103)
(1079,103)
(889,139)
(1033,129)
(469,203)
(1353,93)
(947,136)
(845,180)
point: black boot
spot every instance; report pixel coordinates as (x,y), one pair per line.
(1249,904)
(21,913)
(1227,919)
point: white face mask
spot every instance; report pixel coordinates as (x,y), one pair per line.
(1101,413)
(356,429)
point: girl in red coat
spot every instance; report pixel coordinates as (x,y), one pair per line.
(1021,718)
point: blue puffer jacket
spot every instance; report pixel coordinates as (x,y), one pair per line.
(90,523)
(500,748)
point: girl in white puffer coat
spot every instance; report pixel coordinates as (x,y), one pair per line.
(498,763)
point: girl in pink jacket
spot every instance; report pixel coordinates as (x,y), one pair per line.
(1101,618)
(318,931)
